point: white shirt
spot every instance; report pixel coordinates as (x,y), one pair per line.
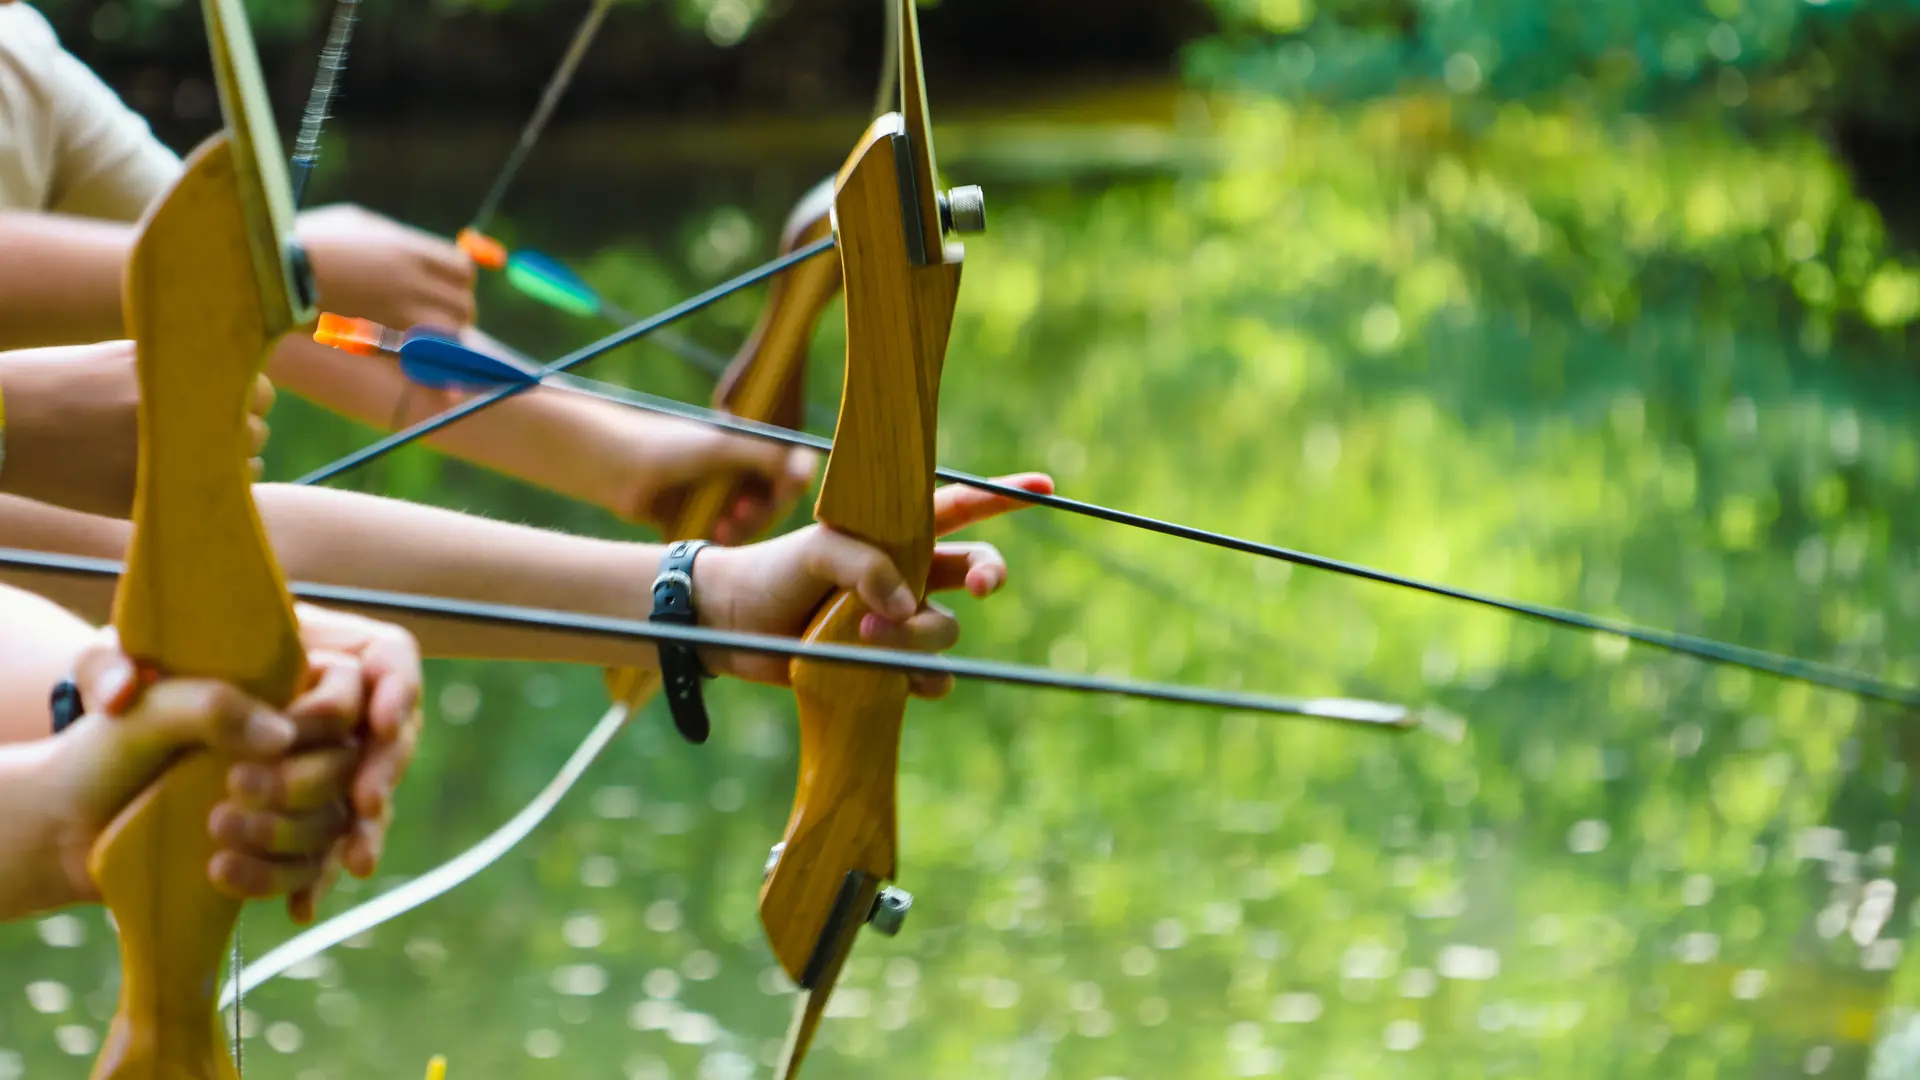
(67,142)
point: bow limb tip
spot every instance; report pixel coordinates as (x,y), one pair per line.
(858,898)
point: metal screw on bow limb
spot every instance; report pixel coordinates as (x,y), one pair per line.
(890,909)
(964,210)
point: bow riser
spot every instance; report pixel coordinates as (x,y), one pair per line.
(198,590)
(208,293)
(842,835)
(201,597)
(767,379)
(902,281)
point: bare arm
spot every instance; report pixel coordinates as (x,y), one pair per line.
(71,435)
(563,442)
(348,538)
(37,878)
(60,280)
(38,644)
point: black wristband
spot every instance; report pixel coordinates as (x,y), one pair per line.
(680,667)
(66,705)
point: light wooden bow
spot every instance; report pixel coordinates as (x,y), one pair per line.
(209,291)
(902,280)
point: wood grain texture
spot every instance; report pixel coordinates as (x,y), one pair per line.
(879,487)
(843,831)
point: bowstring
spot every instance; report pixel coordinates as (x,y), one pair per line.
(381,448)
(326,82)
(556,88)
(884,97)
(306,155)
(1701,648)
(443,878)
(239,968)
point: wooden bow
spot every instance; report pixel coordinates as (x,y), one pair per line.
(902,280)
(209,291)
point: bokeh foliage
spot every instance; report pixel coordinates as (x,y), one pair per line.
(1571,358)
(1506,336)
(1783,54)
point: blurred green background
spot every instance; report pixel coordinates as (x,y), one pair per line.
(1606,306)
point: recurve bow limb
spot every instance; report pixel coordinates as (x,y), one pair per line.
(902,280)
(210,289)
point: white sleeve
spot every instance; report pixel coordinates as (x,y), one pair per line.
(107,162)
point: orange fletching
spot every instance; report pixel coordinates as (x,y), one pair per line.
(360,336)
(482,249)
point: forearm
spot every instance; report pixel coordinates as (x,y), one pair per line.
(546,437)
(61,279)
(70,435)
(347,538)
(35,880)
(38,645)
(363,541)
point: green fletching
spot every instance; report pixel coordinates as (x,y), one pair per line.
(552,284)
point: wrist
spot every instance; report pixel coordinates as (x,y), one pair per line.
(50,869)
(683,667)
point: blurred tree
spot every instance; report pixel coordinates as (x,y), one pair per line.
(1778,55)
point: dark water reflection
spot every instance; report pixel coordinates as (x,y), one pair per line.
(1631,866)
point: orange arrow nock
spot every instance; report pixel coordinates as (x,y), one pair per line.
(484,250)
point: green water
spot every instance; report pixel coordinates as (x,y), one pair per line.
(1585,366)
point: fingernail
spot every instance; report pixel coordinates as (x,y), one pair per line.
(872,627)
(372,840)
(114,682)
(902,604)
(269,733)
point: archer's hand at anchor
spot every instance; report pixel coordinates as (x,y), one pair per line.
(775,587)
(668,458)
(373,267)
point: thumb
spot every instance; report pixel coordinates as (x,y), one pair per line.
(175,714)
(181,713)
(839,561)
